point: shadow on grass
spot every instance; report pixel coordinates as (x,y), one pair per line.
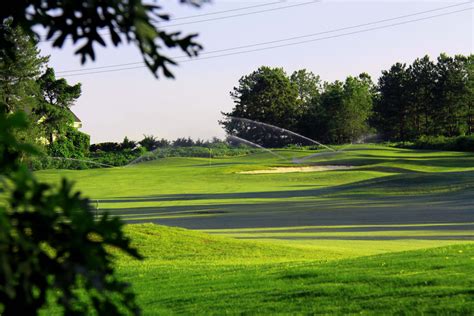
(417,185)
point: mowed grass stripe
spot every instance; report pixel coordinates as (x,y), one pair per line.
(194,273)
(385,233)
(290,228)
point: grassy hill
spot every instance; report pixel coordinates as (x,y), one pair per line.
(394,234)
(190,272)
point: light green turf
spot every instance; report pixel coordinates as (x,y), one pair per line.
(191,273)
(379,171)
(406,268)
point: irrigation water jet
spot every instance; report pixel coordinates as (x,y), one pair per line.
(83,160)
(147,154)
(324,153)
(281,129)
(255,145)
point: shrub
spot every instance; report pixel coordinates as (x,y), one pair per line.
(74,144)
(459,143)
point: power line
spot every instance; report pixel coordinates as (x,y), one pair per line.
(214,19)
(328,37)
(223,11)
(283,45)
(244,14)
(208,14)
(275,41)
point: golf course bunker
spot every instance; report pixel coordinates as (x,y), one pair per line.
(298,169)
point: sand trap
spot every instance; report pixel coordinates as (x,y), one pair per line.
(297,169)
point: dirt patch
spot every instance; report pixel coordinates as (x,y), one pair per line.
(297,169)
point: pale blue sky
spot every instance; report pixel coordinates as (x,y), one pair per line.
(133,102)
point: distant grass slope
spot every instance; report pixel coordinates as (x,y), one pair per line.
(194,273)
(393,235)
(175,191)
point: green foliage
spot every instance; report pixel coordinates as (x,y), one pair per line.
(333,112)
(105,147)
(53,113)
(74,144)
(459,143)
(82,21)
(149,142)
(199,151)
(50,243)
(308,84)
(266,95)
(20,67)
(426,99)
(113,158)
(128,144)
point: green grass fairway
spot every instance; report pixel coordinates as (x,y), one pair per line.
(193,273)
(387,186)
(392,235)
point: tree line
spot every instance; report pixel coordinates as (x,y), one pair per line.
(426,98)
(29,85)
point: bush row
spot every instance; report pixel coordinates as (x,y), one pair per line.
(101,159)
(459,143)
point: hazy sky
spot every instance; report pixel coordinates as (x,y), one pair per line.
(132,102)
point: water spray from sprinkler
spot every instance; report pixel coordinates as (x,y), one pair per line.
(255,145)
(284,130)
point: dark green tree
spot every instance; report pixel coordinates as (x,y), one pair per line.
(128,144)
(392,109)
(149,142)
(308,84)
(452,95)
(309,90)
(425,99)
(357,108)
(470,95)
(53,111)
(421,88)
(343,112)
(20,67)
(266,95)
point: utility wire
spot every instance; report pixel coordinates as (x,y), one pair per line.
(281,40)
(223,11)
(244,14)
(213,19)
(284,45)
(211,13)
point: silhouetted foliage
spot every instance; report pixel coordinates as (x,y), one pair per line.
(332,112)
(51,245)
(266,95)
(81,22)
(426,99)
(459,143)
(128,144)
(149,142)
(106,147)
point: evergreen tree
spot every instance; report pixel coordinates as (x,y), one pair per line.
(421,87)
(392,111)
(20,67)
(452,95)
